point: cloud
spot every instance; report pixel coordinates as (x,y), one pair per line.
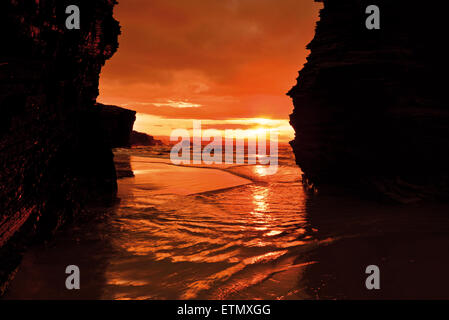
(227,126)
(169,103)
(209,59)
(162,127)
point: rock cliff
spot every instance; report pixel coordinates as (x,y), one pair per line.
(370,106)
(53,154)
(117,124)
(143,139)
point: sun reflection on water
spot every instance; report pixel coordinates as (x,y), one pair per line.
(198,242)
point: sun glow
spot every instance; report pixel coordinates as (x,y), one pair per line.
(248,127)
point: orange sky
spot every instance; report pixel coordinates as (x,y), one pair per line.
(230,60)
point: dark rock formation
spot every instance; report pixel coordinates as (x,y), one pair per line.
(370,107)
(123,166)
(53,155)
(117,124)
(143,139)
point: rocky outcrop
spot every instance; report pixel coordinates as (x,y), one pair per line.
(370,106)
(143,139)
(123,165)
(53,155)
(117,124)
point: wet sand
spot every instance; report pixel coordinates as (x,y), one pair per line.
(159,176)
(204,233)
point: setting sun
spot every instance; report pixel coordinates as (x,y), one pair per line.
(162,127)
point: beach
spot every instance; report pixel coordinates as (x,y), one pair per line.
(233,232)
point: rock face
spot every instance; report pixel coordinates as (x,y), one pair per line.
(117,124)
(370,106)
(53,155)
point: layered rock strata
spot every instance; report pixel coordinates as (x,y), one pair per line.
(370,106)
(53,154)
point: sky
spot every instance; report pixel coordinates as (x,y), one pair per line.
(228,63)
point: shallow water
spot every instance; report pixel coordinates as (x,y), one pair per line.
(234,232)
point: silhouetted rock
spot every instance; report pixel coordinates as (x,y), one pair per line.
(371,107)
(53,155)
(117,124)
(123,166)
(143,139)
